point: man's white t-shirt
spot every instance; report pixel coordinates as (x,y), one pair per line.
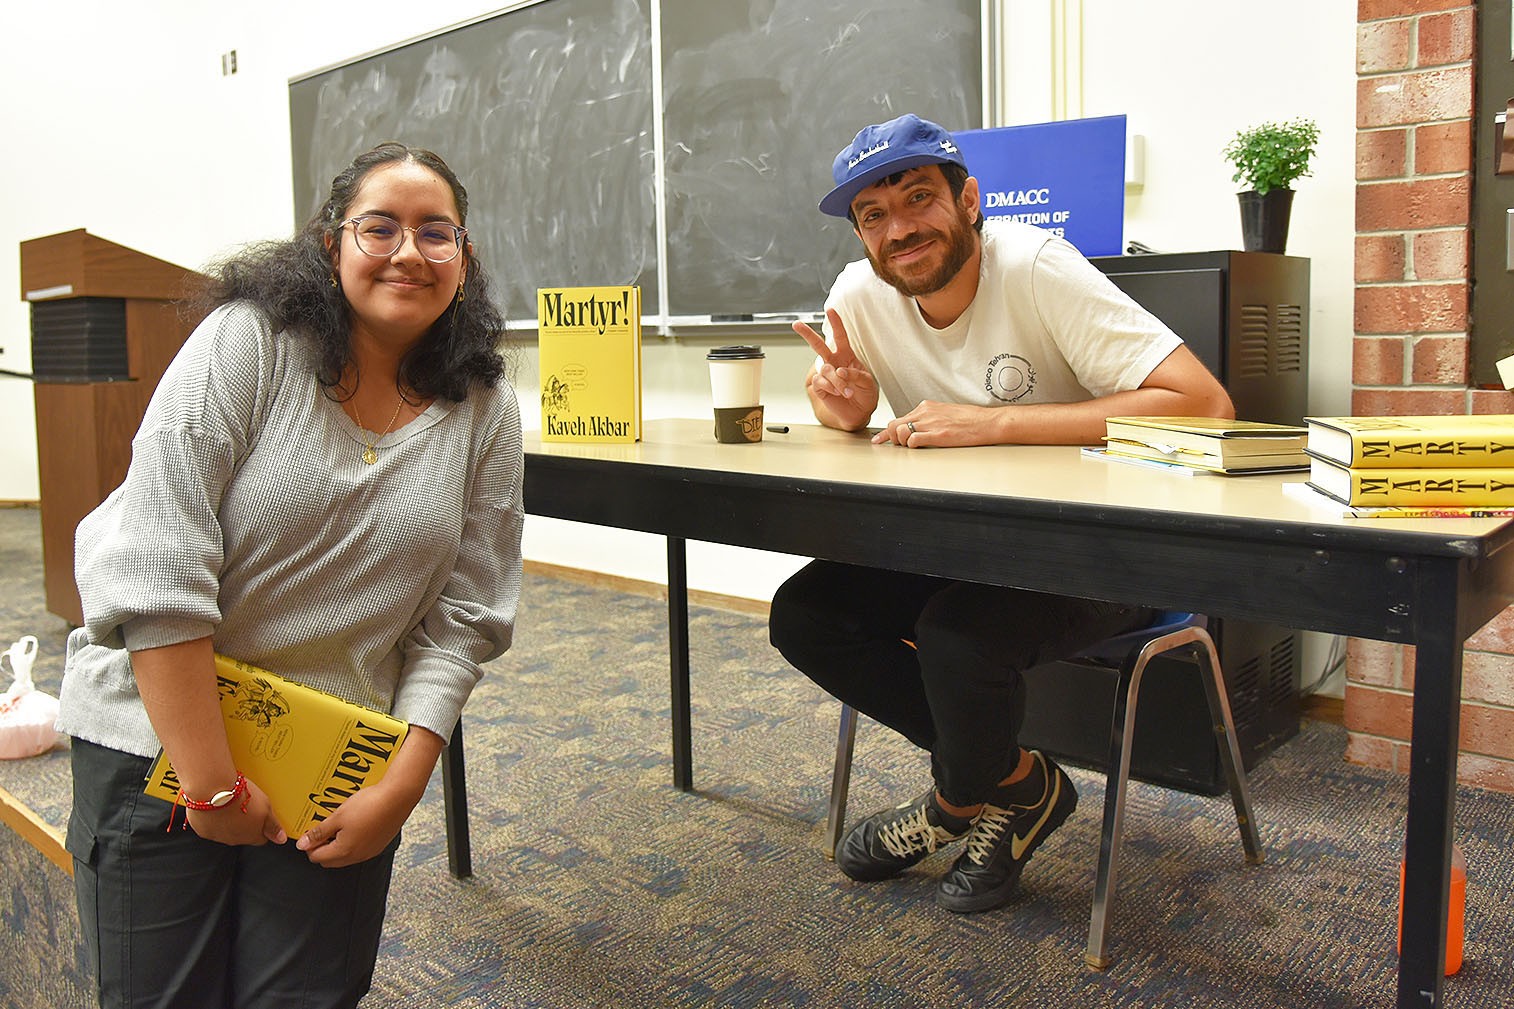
(1044,327)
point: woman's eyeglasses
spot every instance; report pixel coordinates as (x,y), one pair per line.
(382,237)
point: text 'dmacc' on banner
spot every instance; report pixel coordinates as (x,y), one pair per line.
(1067,177)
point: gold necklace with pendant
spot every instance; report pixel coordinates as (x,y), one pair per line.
(369,455)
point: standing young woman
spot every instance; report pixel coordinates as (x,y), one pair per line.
(326,484)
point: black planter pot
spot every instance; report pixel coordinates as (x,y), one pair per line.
(1264,219)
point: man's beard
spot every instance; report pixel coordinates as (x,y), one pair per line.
(959,244)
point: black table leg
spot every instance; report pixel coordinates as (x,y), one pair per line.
(1432,788)
(678,657)
(455,804)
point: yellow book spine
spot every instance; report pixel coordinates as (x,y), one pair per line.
(306,749)
(1388,451)
(1451,442)
(1465,488)
(590,349)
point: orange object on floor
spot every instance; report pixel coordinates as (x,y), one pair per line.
(1455,912)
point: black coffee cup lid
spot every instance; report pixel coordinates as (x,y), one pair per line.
(734,353)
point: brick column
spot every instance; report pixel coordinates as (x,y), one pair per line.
(1409,355)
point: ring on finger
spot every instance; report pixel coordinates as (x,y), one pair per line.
(911,425)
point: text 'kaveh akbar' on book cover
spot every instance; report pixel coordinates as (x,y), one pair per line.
(590,344)
(306,749)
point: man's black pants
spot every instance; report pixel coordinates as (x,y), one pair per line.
(937,660)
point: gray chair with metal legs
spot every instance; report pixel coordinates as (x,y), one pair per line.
(1127,655)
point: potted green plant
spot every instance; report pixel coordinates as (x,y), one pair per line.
(1268,158)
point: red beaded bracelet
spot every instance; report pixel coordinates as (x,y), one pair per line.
(214,802)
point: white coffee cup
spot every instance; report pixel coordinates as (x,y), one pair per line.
(736,392)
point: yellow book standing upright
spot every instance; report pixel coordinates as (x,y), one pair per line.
(306,749)
(590,343)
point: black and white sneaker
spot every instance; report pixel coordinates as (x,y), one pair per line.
(887,843)
(1012,825)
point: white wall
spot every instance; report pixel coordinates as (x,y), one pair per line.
(119,120)
(1189,78)
(1188,74)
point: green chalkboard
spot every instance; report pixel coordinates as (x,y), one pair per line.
(556,114)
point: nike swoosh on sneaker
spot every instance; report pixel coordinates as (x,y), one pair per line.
(1018,844)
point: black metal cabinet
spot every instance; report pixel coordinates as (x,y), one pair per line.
(1244,314)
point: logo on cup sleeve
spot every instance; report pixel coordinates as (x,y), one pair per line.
(751,426)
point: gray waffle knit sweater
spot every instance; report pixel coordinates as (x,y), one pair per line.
(249,515)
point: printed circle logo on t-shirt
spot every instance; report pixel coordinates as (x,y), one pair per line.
(1010,377)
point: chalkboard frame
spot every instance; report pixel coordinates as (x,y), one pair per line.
(713,249)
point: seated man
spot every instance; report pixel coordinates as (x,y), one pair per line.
(979,334)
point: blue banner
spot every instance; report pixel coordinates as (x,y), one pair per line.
(1067,177)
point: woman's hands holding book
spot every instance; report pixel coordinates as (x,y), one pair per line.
(178,687)
(234,824)
(365,823)
(360,827)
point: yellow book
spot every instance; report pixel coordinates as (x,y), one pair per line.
(1414,442)
(306,749)
(1484,487)
(1223,441)
(590,344)
(1214,462)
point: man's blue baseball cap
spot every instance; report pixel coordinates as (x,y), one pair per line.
(883,149)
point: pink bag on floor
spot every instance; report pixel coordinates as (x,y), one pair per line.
(26,713)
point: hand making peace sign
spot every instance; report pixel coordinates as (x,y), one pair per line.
(840,386)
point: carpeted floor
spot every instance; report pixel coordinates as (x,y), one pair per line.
(599,885)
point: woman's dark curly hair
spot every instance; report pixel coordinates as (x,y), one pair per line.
(290,282)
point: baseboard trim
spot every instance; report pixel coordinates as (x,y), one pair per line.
(42,836)
(1325,709)
(648,589)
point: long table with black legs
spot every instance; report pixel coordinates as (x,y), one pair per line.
(1050,519)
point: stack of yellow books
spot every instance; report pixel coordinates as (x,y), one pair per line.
(1414,462)
(1207,443)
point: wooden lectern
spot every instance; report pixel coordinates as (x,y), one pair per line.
(104,328)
